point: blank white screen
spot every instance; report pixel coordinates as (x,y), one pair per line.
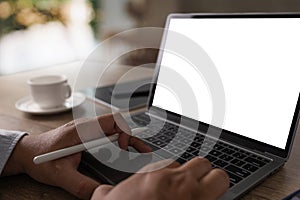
(259,64)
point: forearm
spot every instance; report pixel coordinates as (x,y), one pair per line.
(11,152)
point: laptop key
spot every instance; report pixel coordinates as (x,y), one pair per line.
(242,151)
(205,149)
(239,155)
(234,148)
(151,139)
(220,163)
(210,139)
(174,127)
(233,178)
(250,168)
(221,143)
(186,141)
(196,145)
(196,153)
(202,154)
(199,140)
(254,156)
(208,143)
(163,138)
(238,171)
(169,134)
(228,151)
(190,149)
(168,147)
(218,147)
(255,162)
(201,137)
(179,137)
(159,143)
(211,158)
(180,145)
(215,153)
(263,159)
(226,157)
(238,162)
(186,135)
(187,156)
(224,144)
(175,151)
(181,161)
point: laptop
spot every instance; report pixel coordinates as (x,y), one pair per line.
(255,57)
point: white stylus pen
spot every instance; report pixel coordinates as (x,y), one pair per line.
(80,147)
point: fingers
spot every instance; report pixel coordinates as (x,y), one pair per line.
(111,124)
(78,184)
(169,163)
(115,123)
(101,126)
(120,124)
(174,164)
(123,140)
(126,140)
(139,145)
(197,166)
(101,191)
(208,183)
(207,178)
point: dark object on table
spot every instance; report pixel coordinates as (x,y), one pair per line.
(294,196)
(129,95)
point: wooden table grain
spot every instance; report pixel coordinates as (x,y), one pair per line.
(22,187)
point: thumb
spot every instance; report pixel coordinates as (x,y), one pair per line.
(101,192)
(78,184)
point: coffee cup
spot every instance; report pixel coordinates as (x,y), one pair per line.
(49,91)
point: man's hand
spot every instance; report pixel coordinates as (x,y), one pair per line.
(193,181)
(63,172)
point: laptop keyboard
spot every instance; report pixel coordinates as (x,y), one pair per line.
(183,145)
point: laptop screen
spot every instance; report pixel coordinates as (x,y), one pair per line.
(259,65)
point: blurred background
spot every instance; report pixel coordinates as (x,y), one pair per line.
(43,33)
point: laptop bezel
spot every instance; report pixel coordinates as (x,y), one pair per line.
(226,134)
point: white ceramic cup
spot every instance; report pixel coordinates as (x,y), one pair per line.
(49,91)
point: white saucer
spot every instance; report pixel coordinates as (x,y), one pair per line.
(27,105)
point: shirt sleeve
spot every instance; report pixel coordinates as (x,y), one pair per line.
(8,141)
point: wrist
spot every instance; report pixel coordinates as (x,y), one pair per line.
(24,156)
(16,162)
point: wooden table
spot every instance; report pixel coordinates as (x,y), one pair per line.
(13,87)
